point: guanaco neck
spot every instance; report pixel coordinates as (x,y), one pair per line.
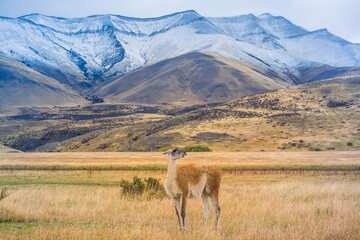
(171,171)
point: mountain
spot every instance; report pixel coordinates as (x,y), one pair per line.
(191,78)
(85,52)
(24,86)
(276,32)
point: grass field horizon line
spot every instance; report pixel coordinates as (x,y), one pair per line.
(156,167)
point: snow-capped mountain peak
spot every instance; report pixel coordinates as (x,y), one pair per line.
(280,26)
(265,15)
(82,51)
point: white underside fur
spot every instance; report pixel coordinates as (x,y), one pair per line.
(195,191)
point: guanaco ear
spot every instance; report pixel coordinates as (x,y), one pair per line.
(167,152)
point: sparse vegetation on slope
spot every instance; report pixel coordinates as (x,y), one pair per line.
(317,116)
(294,119)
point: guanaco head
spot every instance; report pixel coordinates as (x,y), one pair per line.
(175,153)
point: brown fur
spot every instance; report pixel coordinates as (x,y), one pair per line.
(192,173)
(214,179)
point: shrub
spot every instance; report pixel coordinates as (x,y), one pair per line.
(94,99)
(163,149)
(153,184)
(135,188)
(153,187)
(197,148)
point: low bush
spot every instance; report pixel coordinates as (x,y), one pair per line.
(197,148)
(150,188)
(153,184)
(163,149)
(154,188)
(136,187)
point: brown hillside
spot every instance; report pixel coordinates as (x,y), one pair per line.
(190,79)
(24,86)
(323,115)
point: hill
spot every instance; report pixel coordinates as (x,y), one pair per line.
(191,78)
(4,149)
(321,115)
(24,86)
(317,116)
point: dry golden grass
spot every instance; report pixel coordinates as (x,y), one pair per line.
(255,205)
(223,159)
(267,206)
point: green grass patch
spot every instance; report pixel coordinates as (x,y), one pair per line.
(9,225)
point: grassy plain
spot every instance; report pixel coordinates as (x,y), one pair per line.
(87,204)
(325,160)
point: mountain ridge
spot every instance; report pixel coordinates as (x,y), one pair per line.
(84,53)
(134,38)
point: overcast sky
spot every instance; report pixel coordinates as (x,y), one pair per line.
(340,17)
